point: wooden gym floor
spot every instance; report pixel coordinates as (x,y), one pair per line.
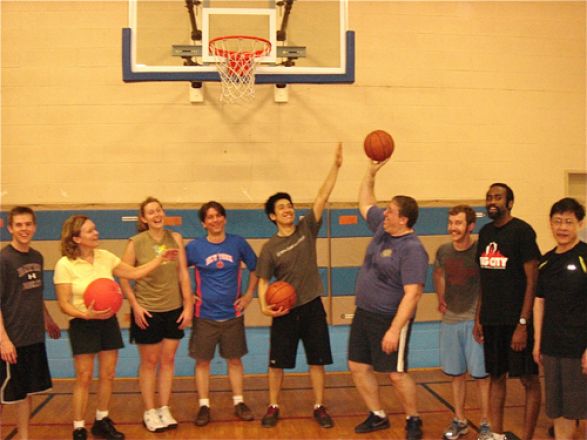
(52,417)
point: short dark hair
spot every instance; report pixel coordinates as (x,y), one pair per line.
(20,210)
(509,193)
(469,212)
(271,201)
(408,207)
(211,204)
(568,204)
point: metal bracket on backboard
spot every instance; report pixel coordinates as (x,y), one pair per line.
(145,75)
(186,50)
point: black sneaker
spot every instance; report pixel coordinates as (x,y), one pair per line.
(80,434)
(271,418)
(372,423)
(243,412)
(203,417)
(413,428)
(105,429)
(322,417)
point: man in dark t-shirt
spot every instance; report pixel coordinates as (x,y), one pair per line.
(290,256)
(507,255)
(560,319)
(24,369)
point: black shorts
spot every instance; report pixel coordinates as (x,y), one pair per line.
(308,323)
(30,374)
(94,335)
(367,331)
(162,325)
(566,388)
(499,356)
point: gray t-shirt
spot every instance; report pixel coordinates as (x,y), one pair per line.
(461,278)
(21,296)
(293,259)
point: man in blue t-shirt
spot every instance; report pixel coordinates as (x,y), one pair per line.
(217,260)
(389,285)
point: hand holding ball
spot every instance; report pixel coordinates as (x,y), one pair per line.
(281,294)
(378,145)
(105,294)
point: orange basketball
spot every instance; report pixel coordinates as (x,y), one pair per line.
(281,294)
(105,293)
(378,145)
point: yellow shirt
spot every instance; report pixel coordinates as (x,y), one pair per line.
(80,273)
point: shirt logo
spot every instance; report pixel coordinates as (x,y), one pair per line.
(571,267)
(386,253)
(219,259)
(492,258)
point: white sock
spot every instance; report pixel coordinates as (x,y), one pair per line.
(101,414)
(237,399)
(379,413)
(79,424)
(205,402)
(317,405)
(274,405)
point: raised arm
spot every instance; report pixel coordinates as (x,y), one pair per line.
(367,188)
(328,185)
(126,270)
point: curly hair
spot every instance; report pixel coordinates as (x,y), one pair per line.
(71,228)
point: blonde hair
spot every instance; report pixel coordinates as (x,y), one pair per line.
(142,226)
(71,228)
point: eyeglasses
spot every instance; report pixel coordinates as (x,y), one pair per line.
(557,221)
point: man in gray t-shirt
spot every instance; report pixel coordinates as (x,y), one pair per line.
(290,255)
(24,368)
(456,278)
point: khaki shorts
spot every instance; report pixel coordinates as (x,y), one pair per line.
(229,334)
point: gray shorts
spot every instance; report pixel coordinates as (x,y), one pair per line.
(207,333)
(566,388)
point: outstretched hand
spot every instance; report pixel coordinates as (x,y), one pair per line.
(375,166)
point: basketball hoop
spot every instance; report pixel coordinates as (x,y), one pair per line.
(237,57)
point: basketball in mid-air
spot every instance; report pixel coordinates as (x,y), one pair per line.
(105,293)
(281,294)
(378,145)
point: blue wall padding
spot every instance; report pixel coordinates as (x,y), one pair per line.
(423,352)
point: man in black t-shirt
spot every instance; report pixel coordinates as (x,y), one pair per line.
(507,255)
(24,369)
(560,319)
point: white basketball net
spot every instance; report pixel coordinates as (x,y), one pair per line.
(236,60)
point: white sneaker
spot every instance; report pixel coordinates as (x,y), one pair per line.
(152,421)
(166,418)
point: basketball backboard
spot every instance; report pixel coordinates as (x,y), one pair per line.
(167,40)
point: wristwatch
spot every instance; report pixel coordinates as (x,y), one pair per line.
(523,321)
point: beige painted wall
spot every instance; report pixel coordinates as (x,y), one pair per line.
(473,92)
